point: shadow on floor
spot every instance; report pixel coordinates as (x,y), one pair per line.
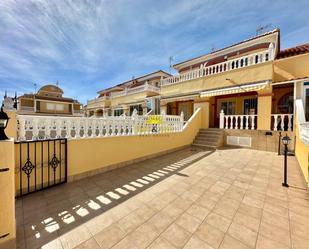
(46,215)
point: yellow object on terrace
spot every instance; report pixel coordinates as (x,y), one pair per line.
(154,119)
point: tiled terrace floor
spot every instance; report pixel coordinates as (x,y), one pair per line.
(228,199)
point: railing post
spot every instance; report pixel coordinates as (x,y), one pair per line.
(221,118)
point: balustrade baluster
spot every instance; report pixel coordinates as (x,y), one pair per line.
(252,122)
(282,122)
(241,122)
(232,122)
(289,122)
(247,122)
(236,122)
(275,122)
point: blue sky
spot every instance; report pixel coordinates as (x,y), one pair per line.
(88,45)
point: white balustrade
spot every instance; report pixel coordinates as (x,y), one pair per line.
(282,122)
(228,65)
(46,127)
(137,89)
(242,122)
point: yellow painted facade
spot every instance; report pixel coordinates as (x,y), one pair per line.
(7,195)
(98,153)
(254,73)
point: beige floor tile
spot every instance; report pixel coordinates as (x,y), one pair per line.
(89,244)
(160,221)
(250,211)
(75,237)
(109,236)
(231,243)
(276,209)
(218,221)
(188,222)
(279,235)
(247,221)
(176,235)
(299,243)
(161,243)
(210,235)
(144,235)
(130,222)
(196,243)
(276,220)
(243,234)
(198,211)
(264,242)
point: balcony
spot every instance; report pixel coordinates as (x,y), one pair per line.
(97,102)
(139,89)
(229,65)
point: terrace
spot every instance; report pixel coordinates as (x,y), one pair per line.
(186,199)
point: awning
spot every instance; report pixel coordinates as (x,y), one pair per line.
(179,98)
(235,89)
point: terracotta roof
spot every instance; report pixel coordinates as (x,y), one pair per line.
(247,40)
(288,52)
(121,85)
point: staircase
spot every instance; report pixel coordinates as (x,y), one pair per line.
(210,138)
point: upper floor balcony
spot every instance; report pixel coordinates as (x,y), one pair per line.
(145,88)
(97,102)
(228,65)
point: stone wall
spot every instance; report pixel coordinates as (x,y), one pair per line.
(259,139)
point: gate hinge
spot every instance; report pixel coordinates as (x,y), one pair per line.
(4,235)
(4,169)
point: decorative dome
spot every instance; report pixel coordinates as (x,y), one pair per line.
(50,90)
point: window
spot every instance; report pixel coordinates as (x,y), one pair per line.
(286,103)
(54,107)
(139,109)
(118,112)
(228,107)
(250,106)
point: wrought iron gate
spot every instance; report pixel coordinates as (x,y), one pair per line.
(41,164)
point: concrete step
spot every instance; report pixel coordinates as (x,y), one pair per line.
(211,131)
(204,146)
(210,135)
(198,139)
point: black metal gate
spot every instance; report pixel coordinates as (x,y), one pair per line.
(42,164)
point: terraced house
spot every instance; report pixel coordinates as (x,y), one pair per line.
(146,163)
(249,90)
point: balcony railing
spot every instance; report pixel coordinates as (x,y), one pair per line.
(138,89)
(42,127)
(228,65)
(26,108)
(97,102)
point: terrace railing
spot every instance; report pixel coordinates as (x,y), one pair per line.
(228,65)
(282,122)
(242,122)
(47,127)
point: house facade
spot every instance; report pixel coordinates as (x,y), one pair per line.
(142,94)
(48,100)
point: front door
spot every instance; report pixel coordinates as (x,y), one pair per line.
(186,108)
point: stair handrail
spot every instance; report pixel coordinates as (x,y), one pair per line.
(191,118)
